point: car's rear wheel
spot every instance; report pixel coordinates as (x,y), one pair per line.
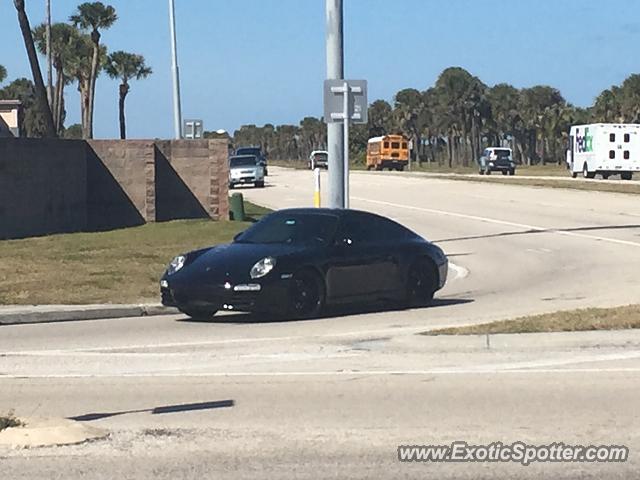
(512,171)
(488,171)
(259,184)
(504,172)
(626,176)
(421,283)
(306,295)
(199,315)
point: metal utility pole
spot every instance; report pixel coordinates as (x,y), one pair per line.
(49,57)
(177,109)
(335,133)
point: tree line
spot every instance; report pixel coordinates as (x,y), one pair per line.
(451,122)
(79,57)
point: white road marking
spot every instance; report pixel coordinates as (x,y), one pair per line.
(358,333)
(338,373)
(459,272)
(536,366)
(501,222)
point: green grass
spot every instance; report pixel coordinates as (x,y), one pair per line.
(568,183)
(550,170)
(120,266)
(619,318)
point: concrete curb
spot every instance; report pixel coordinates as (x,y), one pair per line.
(49,432)
(18,315)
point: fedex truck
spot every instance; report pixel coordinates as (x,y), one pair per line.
(604,149)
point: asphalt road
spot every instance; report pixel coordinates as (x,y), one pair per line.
(334,397)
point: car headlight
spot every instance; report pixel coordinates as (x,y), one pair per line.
(491,164)
(176,264)
(439,255)
(263,267)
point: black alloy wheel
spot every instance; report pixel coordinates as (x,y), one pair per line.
(306,295)
(421,283)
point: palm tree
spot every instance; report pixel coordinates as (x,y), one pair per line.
(3,73)
(93,17)
(63,38)
(40,89)
(126,66)
(78,67)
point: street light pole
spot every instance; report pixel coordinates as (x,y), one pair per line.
(177,109)
(49,58)
(335,132)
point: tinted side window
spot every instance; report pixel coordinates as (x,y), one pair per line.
(390,230)
(612,137)
(367,229)
(627,138)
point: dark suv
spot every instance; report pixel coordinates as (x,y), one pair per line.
(496,159)
(256,152)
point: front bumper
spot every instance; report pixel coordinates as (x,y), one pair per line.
(443,271)
(245,180)
(255,296)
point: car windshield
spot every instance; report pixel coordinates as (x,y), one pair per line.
(291,228)
(503,153)
(321,156)
(248,151)
(243,162)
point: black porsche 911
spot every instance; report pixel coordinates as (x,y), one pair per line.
(295,262)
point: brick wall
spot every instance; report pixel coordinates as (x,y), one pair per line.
(119,174)
(106,184)
(42,187)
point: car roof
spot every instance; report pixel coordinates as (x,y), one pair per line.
(243,156)
(324,211)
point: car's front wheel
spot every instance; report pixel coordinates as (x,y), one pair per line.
(306,295)
(421,283)
(199,315)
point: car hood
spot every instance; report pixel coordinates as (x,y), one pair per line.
(234,260)
(248,167)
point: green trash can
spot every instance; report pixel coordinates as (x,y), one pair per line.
(236,207)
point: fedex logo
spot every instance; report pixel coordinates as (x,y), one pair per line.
(584,143)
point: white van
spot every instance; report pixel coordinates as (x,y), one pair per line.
(604,149)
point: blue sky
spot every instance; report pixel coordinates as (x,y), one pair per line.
(259,61)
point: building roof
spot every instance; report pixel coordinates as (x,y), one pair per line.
(10,103)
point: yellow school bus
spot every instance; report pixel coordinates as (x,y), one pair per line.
(388,151)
